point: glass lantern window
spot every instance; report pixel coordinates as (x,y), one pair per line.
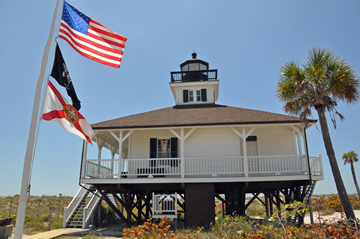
(203,67)
(194,67)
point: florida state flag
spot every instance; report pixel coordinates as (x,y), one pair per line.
(57,108)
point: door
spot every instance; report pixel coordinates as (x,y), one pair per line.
(252,150)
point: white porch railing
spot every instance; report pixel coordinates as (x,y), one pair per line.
(203,167)
(153,167)
(277,164)
(200,166)
(70,209)
(316,165)
(102,168)
(90,209)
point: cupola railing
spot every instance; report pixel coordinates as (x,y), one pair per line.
(189,76)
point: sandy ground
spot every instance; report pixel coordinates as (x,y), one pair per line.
(330,218)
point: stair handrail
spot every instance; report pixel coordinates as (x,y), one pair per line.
(89,209)
(75,202)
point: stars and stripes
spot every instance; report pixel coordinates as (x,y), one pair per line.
(90,38)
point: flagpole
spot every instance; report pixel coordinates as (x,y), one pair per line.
(20,218)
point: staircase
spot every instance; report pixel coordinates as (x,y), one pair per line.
(309,193)
(81,208)
(298,220)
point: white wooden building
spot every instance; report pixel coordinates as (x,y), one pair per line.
(201,150)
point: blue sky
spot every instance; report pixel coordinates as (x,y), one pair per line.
(247,41)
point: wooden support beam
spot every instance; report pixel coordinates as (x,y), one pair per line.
(285,192)
(271,196)
(119,199)
(139,207)
(267,205)
(147,203)
(252,199)
(181,205)
(271,203)
(278,201)
(182,196)
(304,189)
(113,207)
(220,198)
(263,203)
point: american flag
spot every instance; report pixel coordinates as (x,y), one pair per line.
(90,38)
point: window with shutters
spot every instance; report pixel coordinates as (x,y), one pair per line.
(194,95)
(164,148)
(191,96)
(198,95)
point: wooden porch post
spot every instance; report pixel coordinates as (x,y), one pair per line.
(113,151)
(99,146)
(84,159)
(182,160)
(120,153)
(246,168)
(182,138)
(299,144)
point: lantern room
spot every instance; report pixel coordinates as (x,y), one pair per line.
(195,84)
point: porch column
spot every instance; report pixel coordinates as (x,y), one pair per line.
(244,136)
(120,140)
(299,144)
(113,152)
(120,153)
(182,137)
(246,167)
(182,152)
(307,159)
(83,169)
(100,144)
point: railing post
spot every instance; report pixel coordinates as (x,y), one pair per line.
(84,218)
(64,218)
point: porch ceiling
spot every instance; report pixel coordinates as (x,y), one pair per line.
(109,142)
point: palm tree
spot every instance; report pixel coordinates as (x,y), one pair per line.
(319,84)
(351,158)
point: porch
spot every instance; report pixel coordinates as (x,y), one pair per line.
(231,169)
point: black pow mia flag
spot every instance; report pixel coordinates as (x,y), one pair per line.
(61,74)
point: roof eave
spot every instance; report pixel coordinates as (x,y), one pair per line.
(203,124)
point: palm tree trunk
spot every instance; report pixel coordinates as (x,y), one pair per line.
(354,177)
(334,166)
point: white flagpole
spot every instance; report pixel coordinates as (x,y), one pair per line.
(20,218)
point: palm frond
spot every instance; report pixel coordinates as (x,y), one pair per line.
(319,83)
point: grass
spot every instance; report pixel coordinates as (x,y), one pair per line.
(37,211)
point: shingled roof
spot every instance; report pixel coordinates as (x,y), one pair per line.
(196,115)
